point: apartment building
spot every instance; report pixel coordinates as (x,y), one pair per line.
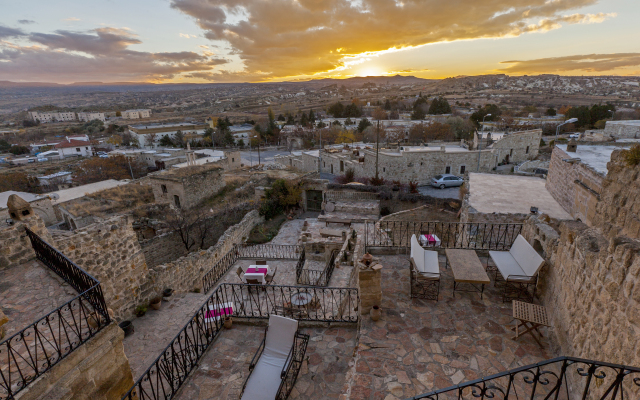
(53,116)
(136,114)
(91,115)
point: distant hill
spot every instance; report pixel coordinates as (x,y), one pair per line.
(378,80)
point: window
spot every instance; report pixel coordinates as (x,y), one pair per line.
(332,168)
(511,153)
(176,199)
(77,148)
(384,169)
(86,148)
(527,150)
(462,168)
(233,160)
(341,166)
(447,170)
(164,188)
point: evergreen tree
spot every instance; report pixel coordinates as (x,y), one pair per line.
(312,116)
(363,124)
(439,105)
(387,105)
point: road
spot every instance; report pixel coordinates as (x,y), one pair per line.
(447,193)
(266,156)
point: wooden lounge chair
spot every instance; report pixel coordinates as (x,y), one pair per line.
(275,366)
(517,270)
(425,272)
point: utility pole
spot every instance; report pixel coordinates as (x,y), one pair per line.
(480,141)
(377,146)
(130,170)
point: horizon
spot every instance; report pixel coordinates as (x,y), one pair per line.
(223,41)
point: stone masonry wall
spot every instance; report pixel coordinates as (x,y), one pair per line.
(591,288)
(97,370)
(191,189)
(575,186)
(185,273)
(110,251)
(622,129)
(15,246)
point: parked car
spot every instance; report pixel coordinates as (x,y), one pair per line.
(102,153)
(575,135)
(446,180)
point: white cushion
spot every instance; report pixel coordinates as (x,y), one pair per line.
(426,261)
(529,260)
(265,379)
(506,264)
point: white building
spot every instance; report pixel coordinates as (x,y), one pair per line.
(150,135)
(74,148)
(136,114)
(241,132)
(90,116)
(53,116)
(60,179)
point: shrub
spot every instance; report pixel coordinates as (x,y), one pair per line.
(384,211)
(376,181)
(413,187)
(279,198)
(632,156)
(348,177)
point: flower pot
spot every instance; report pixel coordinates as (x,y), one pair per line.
(127,327)
(155,303)
(375,313)
(228,322)
(94,320)
(167,292)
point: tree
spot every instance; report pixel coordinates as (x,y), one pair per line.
(281,117)
(379,114)
(336,110)
(117,167)
(478,116)
(282,196)
(312,116)
(166,141)
(438,131)
(440,105)
(190,225)
(387,105)
(462,128)
(178,138)
(118,114)
(17,150)
(352,110)
(551,112)
(363,124)
(228,139)
(241,143)
(4,145)
(348,122)
(18,181)
(304,120)
(582,113)
(345,137)
(416,133)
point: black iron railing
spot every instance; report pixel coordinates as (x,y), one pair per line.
(244,252)
(312,277)
(293,365)
(34,350)
(562,378)
(452,235)
(169,371)
(300,263)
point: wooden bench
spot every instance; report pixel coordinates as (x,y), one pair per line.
(343,221)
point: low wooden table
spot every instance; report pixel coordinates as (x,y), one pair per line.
(346,222)
(530,316)
(467,269)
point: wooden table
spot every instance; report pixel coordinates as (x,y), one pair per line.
(530,316)
(342,221)
(467,269)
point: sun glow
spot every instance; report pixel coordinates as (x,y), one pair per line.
(370,71)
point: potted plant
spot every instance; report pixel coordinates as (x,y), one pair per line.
(155,302)
(375,313)
(141,311)
(228,322)
(166,294)
(127,327)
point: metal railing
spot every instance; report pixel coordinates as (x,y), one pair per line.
(312,277)
(169,371)
(293,365)
(352,196)
(562,378)
(452,235)
(244,252)
(34,350)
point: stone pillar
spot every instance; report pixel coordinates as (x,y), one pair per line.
(370,286)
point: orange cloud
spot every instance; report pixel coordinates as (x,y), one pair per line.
(590,63)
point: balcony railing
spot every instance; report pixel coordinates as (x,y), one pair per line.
(34,350)
(167,374)
(453,235)
(312,277)
(562,378)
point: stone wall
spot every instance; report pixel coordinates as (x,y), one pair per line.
(520,146)
(622,129)
(110,251)
(191,185)
(97,370)
(574,185)
(15,246)
(185,273)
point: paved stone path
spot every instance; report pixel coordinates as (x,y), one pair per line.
(31,291)
(225,367)
(419,345)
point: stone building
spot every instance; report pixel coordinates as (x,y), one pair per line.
(575,178)
(419,163)
(187,187)
(41,205)
(622,129)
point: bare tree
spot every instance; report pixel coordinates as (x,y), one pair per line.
(183,223)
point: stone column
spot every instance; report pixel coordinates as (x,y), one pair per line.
(370,286)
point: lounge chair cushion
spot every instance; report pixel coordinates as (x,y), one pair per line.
(426,261)
(265,380)
(525,255)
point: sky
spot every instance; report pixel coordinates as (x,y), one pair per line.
(209,41)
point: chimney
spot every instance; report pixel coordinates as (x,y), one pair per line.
(572,146)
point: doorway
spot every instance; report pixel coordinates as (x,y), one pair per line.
(314,200)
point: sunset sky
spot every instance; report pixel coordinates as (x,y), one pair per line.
(68,41)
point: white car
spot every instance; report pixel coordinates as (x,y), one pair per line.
(446,180)
(575,136)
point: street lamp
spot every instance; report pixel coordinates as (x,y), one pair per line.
(479,141)
(613,113)
(569,121)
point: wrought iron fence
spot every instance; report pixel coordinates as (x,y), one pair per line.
(293,365)
(312,277)
(304,303)
(353,196)
(34,350)
(169,371)
(270,251)
(452,235)
(264,251)
(562,378)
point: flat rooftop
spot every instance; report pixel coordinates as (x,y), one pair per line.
(512,194)
(28,197)
(596,157)
(80,191)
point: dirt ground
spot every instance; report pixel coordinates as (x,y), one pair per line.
(425,213)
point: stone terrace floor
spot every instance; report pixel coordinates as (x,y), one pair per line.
(224,368)
(419,345)
(31,291)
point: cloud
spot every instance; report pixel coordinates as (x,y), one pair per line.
(71,19)
(187,36)
(6,32)
(102,54)
(590,63)
(26,21)
(285,38)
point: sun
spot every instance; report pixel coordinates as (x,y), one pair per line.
(370,71)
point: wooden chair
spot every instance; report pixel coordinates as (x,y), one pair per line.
(240,272)
(270,277)
(261,262)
